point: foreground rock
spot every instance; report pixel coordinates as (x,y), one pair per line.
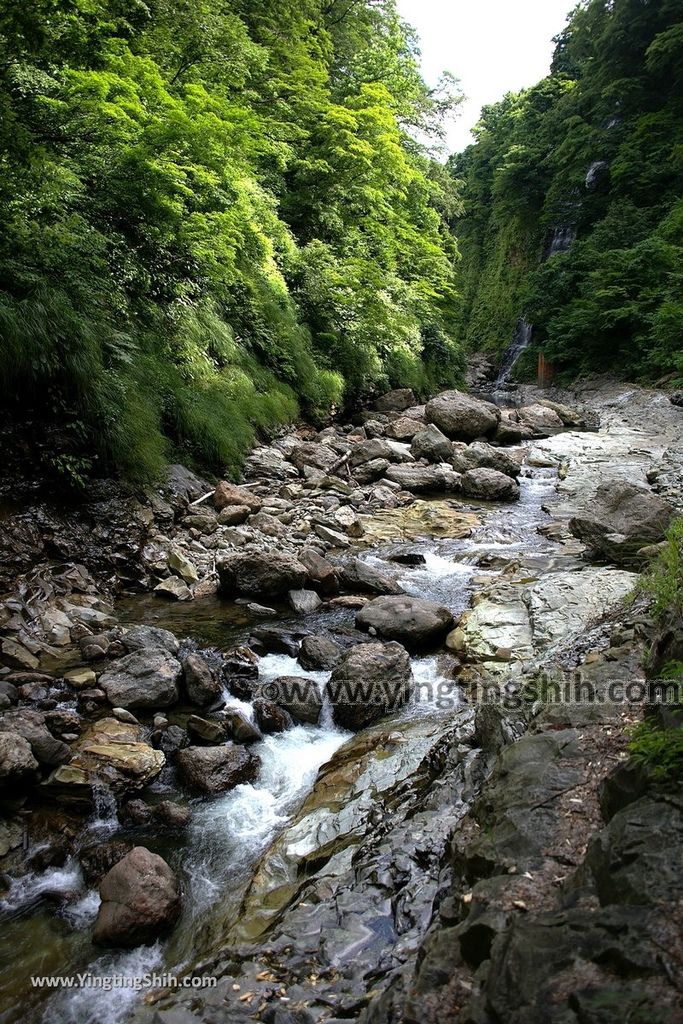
(425,479)
(268,574)
(17,763)
(201,685)
(371,681)
(432,444)
(461,417)
(489,485)
(357,575)
(140,901)
(212,770)
(112,753)
(31,725)
(410,620)
(143,679)
(513,622)
(227,495)
(480,455)
(622,518)
(298,696)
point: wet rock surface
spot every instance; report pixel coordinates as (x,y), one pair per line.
(140,900)
(409,872)
(410,620)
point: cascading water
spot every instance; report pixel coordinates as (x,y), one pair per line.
(561,240)
(229,837)
(520,342)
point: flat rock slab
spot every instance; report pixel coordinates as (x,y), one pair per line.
(516,622)
(420,519)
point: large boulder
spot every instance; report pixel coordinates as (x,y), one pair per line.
(137,638)
(299,696)
(322,574)
(256,574)
(31,725)
(319,652)
(216,769)
(359,576)
(112,753)
(269,464)
(371,681)
(425,479)
(489,485)
(141,901)
(410,620)
(312,454)
(404,428)
(541,420)
(395,401)
(143,679)
(201,684)
(229,494)
(462,417)
(17,763)
(622,518)
(481,455)
(379,448)
(431,444)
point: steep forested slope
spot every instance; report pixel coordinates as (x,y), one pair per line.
(210,211)
(573,199)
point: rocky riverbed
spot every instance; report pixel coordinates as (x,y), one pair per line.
(296,734)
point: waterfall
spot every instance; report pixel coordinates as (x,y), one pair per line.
(561,240)
(520,342)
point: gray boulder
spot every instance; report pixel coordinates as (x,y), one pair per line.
(261,573)
(216,769)
(481,455)
(319,652)
(489,485)
(462,417)
(410,620)
(201,685)
(17,763)
(371,681)
(425,479)
(379,448)
(141,901)
(431,444)
(299,696)
(622,518)
(369,472)
(31,725)
(143,679)
(359,576)
(397,400)
(304,602)
(139,637)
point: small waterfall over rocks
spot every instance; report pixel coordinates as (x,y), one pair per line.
(520,342)
(561,240)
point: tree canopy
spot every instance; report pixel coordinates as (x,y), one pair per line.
(214,213)
(592,155)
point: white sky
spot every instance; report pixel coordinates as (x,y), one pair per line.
(492,46)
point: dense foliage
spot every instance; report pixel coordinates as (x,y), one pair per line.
(592,156)
(213,212)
